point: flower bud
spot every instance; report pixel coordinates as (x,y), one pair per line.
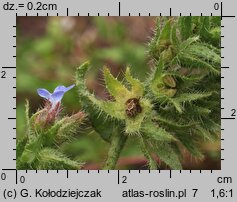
(169,81)
(47,115)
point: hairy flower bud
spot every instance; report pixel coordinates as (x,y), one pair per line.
(47,115)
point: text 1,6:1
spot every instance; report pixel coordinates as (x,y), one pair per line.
(222,193)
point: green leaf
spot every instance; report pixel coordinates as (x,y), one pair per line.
(156,81)
(81,72)
(20,146)
(169,155)
(215,36)
(147,153)
(115,87)
(205,134)
(63,130)
(113,109)
(185,82)
(189,140)
(156,133)
(165,33)
(198,110)
(205,27)
(215,21)
(105,126)
(31,150)
(185,24)
(117,143)
(193,62)
(98,121)
(176,104)
(188,97)
(185,44)
(28,126)
(50,159)
(157,28)
(204,53)
(81,81)
(211,125)
(174,38)
(137,87)
(50,135)
(173,123)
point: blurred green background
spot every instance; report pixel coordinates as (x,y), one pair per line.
(49,49)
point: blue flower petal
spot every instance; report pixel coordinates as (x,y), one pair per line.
(60,88)
(63,88)
(57,96)
(44,93)
(69,87)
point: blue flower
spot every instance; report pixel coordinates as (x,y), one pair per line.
(56,96)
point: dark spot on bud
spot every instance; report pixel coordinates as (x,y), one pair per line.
(133,107)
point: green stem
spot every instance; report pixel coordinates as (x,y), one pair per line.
(117,144)
(145,150)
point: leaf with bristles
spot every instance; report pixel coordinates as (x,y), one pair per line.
(215,36)
(165,33)
(193,62)
(176,104)
(185,25)
(80,74)
(115,87)
(81,81)
(157,28)
(187,43)
(211,125)
(215,21)
(156,133)
(173,123)
(168,155)
(185,82)
(113,109)
(156,81)
(203,52)
(31,150)
(205,134)
(50,159)
(28,126)
(20,146)
(205,27)
(188,97)
(103,125)
(147,153)
(174,38)
(137,87)
(189,141)
(50,135)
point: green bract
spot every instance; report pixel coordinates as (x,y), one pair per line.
(117,108)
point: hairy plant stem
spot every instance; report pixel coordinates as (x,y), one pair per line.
(117,144)
(145,150)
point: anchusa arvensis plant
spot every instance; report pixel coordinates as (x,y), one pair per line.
(173,111)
